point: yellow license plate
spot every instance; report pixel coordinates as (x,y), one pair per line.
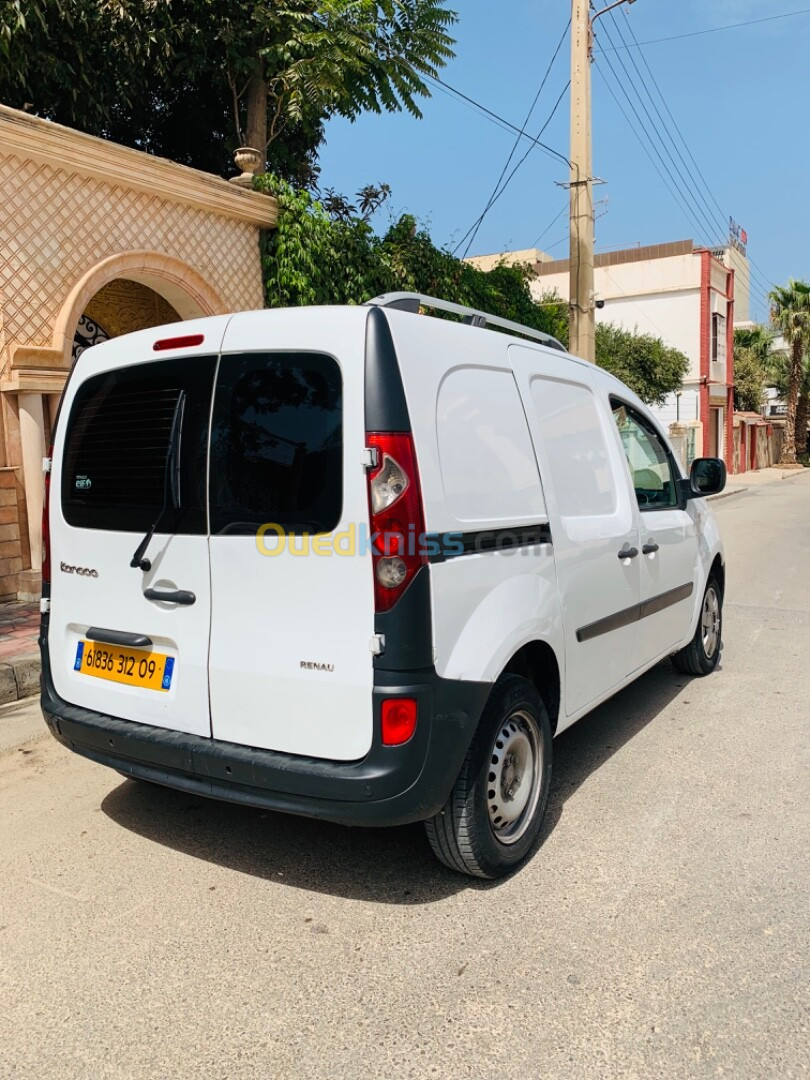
(133,667)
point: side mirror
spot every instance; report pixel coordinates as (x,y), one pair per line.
(707,477)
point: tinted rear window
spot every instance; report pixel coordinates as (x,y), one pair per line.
(277,443)
(117,442)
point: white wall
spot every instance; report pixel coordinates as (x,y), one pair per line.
(655,296)
(669,412)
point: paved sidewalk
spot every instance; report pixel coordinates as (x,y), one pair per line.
(19,653)
(743,481)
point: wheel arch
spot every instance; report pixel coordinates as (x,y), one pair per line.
(537,662)
(718,569)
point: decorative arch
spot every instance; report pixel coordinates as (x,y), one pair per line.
(178,283)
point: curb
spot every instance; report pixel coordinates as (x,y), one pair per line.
(19,678)
(728,494)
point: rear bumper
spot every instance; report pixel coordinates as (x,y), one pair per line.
(390,786)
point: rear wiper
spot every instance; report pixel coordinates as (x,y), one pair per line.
(171,484)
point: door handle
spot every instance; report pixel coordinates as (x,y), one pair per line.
(649,549)
(175,596)
(628,553)
(118,637)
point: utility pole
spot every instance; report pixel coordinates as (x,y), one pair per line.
(582,306)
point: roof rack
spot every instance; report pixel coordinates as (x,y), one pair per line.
(411,301)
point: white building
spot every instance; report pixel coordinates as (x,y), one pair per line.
(679,292)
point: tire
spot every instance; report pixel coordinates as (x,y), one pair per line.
(490,823)
(702,654)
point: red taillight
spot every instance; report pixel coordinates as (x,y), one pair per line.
(398,720)
(46,525)
(395,508)
(178,342)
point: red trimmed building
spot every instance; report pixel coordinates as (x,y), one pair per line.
(682,293)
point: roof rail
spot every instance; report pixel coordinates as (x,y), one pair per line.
(411,301)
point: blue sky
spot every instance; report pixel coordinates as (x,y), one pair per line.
(740,98)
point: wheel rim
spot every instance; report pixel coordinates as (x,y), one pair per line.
(515,775)
(711,622)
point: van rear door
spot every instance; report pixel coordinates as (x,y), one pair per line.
(292,591)
(130,452)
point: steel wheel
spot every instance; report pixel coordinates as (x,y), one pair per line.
(515,779)
(710,622)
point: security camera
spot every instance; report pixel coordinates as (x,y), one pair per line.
(600,304)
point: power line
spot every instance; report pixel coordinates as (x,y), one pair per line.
(473,107)
(668,180)
(509,178)
(706,210)
(548,227)
(697,208)
(515,145)
(502,121)
(664,129)
(698,212)
(667,184)
(715,29)
(752,270)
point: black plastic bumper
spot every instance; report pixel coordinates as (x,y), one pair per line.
(390,786)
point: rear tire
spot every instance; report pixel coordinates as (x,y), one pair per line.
(702,654)
(492,819)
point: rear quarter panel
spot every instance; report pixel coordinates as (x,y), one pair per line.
(485,606)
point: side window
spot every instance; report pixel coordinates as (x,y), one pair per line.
(651,465)
(574,442)
(277,443)
(114,474)
(488,467)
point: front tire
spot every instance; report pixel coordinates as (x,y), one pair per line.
(702,654)
(492,819)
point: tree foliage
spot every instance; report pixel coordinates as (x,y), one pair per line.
(790,315)
(752,347)
(645,363)
(315,257)
(192,79)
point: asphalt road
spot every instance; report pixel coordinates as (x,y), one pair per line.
(661,930)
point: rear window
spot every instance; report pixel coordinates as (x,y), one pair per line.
(115,471)
(277,443)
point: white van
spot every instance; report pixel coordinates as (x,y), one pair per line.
(363,564)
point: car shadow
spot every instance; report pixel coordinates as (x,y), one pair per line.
(391,866)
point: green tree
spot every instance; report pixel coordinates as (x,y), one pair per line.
(163,75)
(752,347)
(300,60)
(69,60)
(790,315)
(778,376)
(318,257)
(644,362)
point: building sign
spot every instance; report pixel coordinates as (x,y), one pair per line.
(737,236)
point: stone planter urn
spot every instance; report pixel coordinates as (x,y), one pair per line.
(249,161)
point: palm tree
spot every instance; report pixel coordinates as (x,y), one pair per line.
(752,361)
(790,314)
(778,376)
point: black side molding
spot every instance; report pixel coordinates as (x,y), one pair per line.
(450,545)
(118,637)
(635,613)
